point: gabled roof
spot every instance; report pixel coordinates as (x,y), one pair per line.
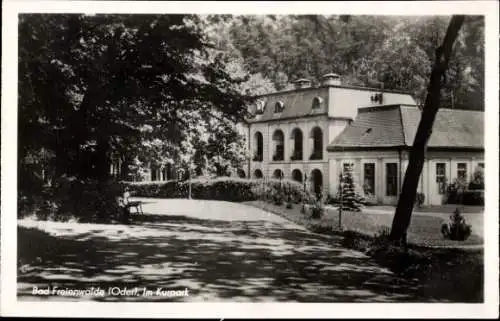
(396,126)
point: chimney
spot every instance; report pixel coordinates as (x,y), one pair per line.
(302,83)
(330,79)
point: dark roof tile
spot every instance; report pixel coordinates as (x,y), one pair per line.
(392,126)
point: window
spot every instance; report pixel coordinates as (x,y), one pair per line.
(278,173)
(391,175)
(261,106)
(462,171)
(279,146)
(241,173)
(317,136)
(317,103)
(258,173)
(297,175)
(481,165)
(369,178)
(278,107)
(258,148)
(347,166)
(441,177)
(297,144)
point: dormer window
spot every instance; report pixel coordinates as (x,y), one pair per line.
(261,106)
(317,101)
(278,107)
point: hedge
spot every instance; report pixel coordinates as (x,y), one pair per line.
(222,188)
(466,197)
(70,198)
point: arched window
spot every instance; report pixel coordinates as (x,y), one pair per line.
(258,147)
(258,173)
(297,175)
(316,181)
(278,107)
(297,138)
(241,173)
(317,101)
(278,173)
(317,143)
(279,145)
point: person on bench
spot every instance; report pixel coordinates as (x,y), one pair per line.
(127,203)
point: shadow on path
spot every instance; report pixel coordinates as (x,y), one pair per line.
(216,260)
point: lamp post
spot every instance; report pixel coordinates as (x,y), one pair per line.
(180,174)
(341,201)
(189,184)
(303,198)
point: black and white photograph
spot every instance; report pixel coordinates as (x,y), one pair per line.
(268,156)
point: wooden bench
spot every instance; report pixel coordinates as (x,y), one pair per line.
(129,204)
(137,205)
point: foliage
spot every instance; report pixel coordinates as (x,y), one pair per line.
(456,229)
(278,196)
(93,87)
(420,199)
(477,182)
(473,197)
(366,50)
(350,199)
(455,191)
(221,188)
(317,209)
(70,198)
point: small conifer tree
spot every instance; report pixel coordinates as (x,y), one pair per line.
(349,197)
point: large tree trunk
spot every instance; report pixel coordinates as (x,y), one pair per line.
(406,200)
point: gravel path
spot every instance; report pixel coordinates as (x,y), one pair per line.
(215,251)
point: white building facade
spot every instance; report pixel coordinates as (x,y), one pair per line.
(290,131)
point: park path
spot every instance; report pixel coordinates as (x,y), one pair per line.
(219,251)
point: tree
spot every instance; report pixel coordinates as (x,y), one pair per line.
(366,50)
(95,86)
(402,216)
(349,197)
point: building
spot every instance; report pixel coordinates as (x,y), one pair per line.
(290,130)
(378,142)
(312,133)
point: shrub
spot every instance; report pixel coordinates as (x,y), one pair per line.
(317,209)
(420,199)
(278,197)
(456,229)
(70,198)
(223,188)
(473,197)
(454,191)
(477,182)
(332,200)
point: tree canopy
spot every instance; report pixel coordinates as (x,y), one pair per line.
(157,89)
(395,51)
(95,86)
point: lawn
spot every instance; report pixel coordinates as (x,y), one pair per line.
(445,209)
(424,230)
